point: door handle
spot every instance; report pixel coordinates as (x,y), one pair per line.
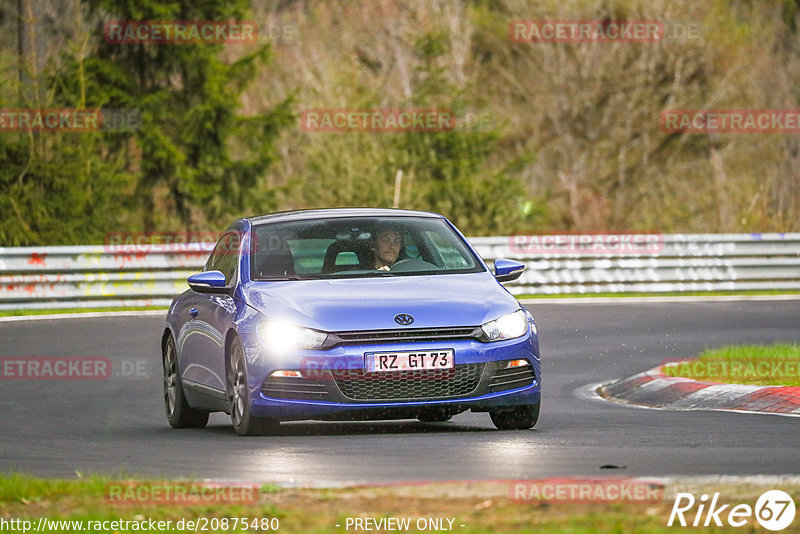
(193,312)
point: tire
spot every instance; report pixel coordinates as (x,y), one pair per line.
(179,413)
(518,418)
(244,423)
(437,416)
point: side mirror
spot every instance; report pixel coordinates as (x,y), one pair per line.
(208,282)
(507,270)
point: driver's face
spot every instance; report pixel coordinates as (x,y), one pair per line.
(387,247)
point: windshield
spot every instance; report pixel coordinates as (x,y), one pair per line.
(358,247)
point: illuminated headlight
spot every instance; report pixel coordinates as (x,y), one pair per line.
(279,336)
(506,327)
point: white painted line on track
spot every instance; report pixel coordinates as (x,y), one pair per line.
(745,411)
(82,315)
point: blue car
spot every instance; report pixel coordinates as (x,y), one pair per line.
(349,314)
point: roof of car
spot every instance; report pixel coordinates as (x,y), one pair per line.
(339,212)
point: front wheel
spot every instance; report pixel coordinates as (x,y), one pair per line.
(517,418)
(179,413)
(244,423)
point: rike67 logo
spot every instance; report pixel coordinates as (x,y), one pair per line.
(774,510)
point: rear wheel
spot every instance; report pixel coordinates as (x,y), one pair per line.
(244,423)
(517,418)
(179,413)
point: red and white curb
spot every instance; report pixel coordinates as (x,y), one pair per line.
(655,390)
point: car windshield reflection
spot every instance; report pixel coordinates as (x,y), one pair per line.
(358,247)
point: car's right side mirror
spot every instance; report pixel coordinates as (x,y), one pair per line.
(507,270)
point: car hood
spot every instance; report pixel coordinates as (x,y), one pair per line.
(372,303)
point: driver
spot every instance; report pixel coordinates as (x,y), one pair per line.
(387,246)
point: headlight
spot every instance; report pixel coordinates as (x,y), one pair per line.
(280,336)
(506,327)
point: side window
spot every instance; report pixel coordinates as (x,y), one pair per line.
(225,257)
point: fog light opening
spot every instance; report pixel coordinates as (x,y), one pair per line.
(287,374)
(517,363)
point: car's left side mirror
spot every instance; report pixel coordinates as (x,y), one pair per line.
(208,282)
(507,270)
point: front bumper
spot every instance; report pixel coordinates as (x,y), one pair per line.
(335,386)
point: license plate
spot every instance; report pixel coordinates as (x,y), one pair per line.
(382,362)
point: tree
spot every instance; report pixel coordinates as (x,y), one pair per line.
(199,161)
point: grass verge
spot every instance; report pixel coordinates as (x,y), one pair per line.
(757,365)
(473,507)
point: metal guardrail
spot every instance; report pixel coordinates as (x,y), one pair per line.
(661,263)
(97,276)
(100,276)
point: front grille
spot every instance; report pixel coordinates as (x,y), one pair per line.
(406,334)
(515,377)
(459,381)
(357,385)
(279,387)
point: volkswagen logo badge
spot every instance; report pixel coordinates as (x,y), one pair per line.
(403,318)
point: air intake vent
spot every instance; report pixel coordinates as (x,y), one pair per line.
(405,334)
(513,378)
(294,388)
(460,381)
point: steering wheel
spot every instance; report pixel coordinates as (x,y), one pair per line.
(412,264)
(399,262)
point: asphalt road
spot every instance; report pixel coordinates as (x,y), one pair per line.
(117,426)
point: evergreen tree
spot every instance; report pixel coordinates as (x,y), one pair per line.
(198,160)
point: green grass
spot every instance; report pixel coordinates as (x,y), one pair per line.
(665,294)
(482,507)
(758,365)
(52,311)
